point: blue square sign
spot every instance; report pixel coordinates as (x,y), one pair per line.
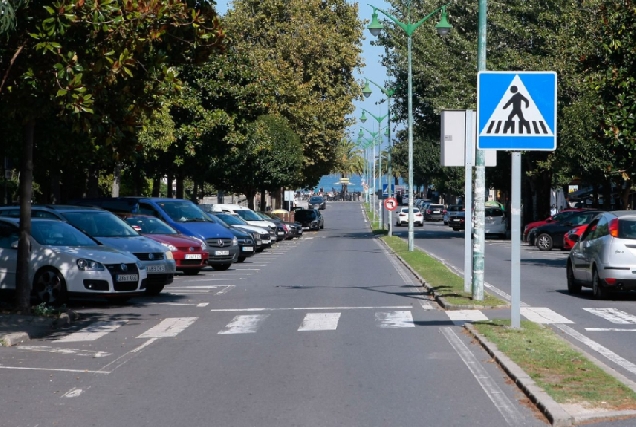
(516,111)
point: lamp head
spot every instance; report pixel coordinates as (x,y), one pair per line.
(443,26)
(366,90)
(386,132)
(375,27)
(363,118)
(360,134)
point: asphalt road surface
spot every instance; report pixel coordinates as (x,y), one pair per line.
(328,330)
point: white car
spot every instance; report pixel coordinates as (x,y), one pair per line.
(66,262)
(495,221)
(403,217)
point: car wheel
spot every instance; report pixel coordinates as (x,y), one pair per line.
(531,241)
(154,290)
(191,272)
(597,289)
(544,242)
(241,259)
(322,227)
(49,287)
(221,267)
(573,287)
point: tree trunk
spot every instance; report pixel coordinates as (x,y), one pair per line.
(23,285)
(92,184)
(263,200)
(116,180)
(625,192)
(195,190)
(170,194)
(250,194)
(180,188)
(156,186)
(55,176)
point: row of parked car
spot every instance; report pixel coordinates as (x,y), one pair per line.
(123,247)
(602,247)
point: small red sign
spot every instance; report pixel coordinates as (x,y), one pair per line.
(390,204)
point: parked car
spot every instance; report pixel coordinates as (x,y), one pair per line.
(559,217)
(551,235)
(495,221)
(568,240)
(294,229)
(317,202)
(64,262)
(261,235)
(434,212)
(109,230)
(188,253)
(309,219)
(184,216)
(449,209)
(402,217)
(604,257)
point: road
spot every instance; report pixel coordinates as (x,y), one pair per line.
(603,328)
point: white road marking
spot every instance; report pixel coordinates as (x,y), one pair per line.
(466,315)
(305,308)
(224,290)
(320,322)
(505,407)
(198,287)
(74,392)
(93,332)
(121,360)
(203,304)
(543,315)
(75,371)
(176,303)
(394,319)
(611,329)
(207,280)
(309,238)
(426,305)
(607,353)
(244,324)
(613,315)
(76,352)
(170,327)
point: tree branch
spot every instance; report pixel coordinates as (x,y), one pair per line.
(6,74)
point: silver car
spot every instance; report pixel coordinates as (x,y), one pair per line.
(604,257)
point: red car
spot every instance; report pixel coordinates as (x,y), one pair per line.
(188,252)
(567,242)
(558,217)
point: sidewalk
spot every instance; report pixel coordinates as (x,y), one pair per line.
(20,328)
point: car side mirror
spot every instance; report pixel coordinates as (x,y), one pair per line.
(574,237)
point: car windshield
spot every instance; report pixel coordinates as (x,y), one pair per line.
(230,219)
(100,224)
(316,199)
(304,215)
(57,233)
(562,216)
(184,211)
(248,215)
(216,219)
(150,225)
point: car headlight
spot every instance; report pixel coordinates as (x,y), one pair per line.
(234,241)
(169,255)
(140,265)
(89,265)
(169,246)
(203,245)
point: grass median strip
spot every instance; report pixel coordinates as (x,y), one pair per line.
(563,372)
(447,284)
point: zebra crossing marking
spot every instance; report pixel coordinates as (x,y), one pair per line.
(613,315)
(543,315)
(244,324)
(170,327)
(466,315)
(320,322)
(394,319)
(92,332)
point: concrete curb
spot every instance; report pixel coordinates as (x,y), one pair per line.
(31,327)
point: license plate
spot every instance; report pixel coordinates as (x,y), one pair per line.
(193,256)
(281,232)
(247,249)
(217,253)
(305,228)
(435,211)
(455,220)
(127,277)
(156,268)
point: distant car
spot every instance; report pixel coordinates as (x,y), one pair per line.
(403,217)
(457,220)
(187,252)
(559,217)
(495,221)
(568,238)
(603,258)
(433,212)
(317,202)
(451,208)
(309,219)
(64,262)
(261,235)
(550,236)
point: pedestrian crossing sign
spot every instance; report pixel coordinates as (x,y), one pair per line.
(516,111)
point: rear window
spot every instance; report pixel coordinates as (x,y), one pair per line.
(494,212)
(436,206)
(406,210)
(304,215)
(627,229)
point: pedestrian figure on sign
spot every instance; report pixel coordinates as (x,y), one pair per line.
(516,100)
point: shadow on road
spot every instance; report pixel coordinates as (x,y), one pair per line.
(415,294)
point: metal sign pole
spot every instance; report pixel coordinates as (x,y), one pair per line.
(515,233)
(468,201)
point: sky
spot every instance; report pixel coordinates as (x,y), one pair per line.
(372,70)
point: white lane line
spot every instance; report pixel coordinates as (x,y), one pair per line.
(244,324)
(610,329)
(224,290)
(124,358)
(73,351)
(246,269)
(543,315)
(613,315)
(394,319)
(174,303)
(466,315)
(306,308)
(308,238)
(74,371)
(207,280)
(203,304)
(170,327)
(93,332)
(605,352)
(505,406)
(426,305)
(74,392)
(198,287)
(320,322)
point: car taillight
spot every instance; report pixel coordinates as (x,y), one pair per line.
(428,211)
(610,281)
(613,227)
(444,211)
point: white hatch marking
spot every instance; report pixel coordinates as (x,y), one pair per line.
(394,319)
(607,353)
(503,404)
(170,327)
(611,329)
(224,290)
(244,324)
(75,371)
(543,315)
(238,310)
(198,287)
(74,392)
(466,315)
(613,315)
(320,322)
(93,332)
(426,305)
(77,352)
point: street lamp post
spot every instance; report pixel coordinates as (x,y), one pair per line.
(443,28)
(372,142)
(363,119)
(389,93)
